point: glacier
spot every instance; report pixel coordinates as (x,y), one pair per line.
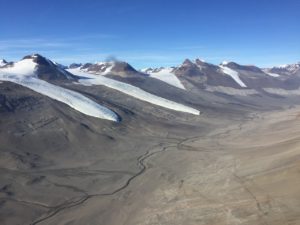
(24,73)
(91,79)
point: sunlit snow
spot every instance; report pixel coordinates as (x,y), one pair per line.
(23,73)
(272,74)
(234,75)
(2,63)
(167,76)
(90,79)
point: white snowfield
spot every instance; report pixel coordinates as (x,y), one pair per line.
(167,76)
(289,67)
(23,73)
(266,71)
(224,63)
(2,62)
(272,74)
(90,79)
(234,75)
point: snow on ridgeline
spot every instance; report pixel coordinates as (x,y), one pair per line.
(165,75)
(234,75)
(272,74)
(23,73)
(2,62)
(90,79)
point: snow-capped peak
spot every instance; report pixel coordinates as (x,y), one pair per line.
(187,62)
(101,68)
(40,60)
(24,73)
(224,63)
(114,68)
(74,65)
(200,60)
(25,67)
(105,63)
(286,68)
(35,55)
(2,62)
(283,66)
(147,70)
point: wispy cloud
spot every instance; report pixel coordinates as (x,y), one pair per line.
(98,47)
(30,43)
(61,47)
(50,43)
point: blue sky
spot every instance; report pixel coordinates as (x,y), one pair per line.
(153,32)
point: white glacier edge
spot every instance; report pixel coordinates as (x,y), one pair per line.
(23,73)
(168,77)
(90,79)
(234,75)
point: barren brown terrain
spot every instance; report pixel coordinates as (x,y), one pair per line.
(225,170)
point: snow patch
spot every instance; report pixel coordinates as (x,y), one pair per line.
(167,76)
(224,63)
(105,68)
(272,74)
(289,67)
(108,69)
(90,79)
(283,66)
(2,62)
(146,70)
(25,67)
(234,75)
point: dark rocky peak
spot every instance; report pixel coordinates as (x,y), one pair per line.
(60,65)
(187,62)
(200,62)
(75,65)
(113,68)
(3,61)
(236,66)
(49,70)
(86,66)
(40,60)
(205,65)
(118,66)
(188,68)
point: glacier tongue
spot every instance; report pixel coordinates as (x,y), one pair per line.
(234,75)
(90,79)
(23,73)
(167,76)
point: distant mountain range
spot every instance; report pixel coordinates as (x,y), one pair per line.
(117,68)
(48,78)
(199,74)
(193,76)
